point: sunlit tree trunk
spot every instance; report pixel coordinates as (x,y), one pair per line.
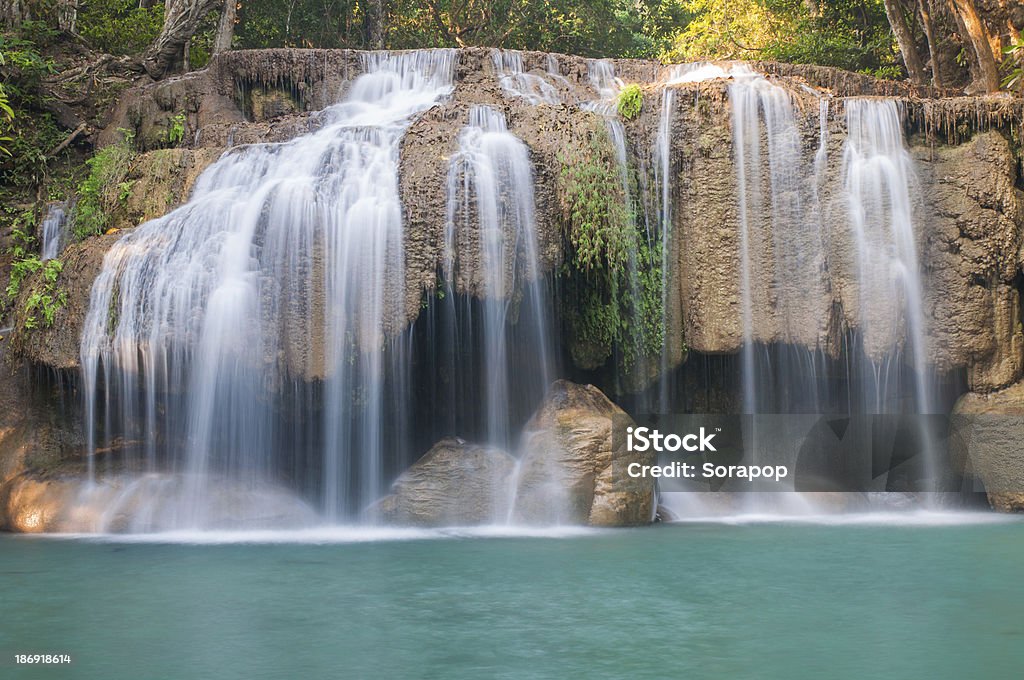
(226,27)
(181,20)
(986,73)
(925,9)
(905,40)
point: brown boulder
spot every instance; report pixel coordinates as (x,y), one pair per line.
(987,433)
(455,483)
(573,471)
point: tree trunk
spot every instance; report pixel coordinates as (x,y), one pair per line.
(377,24)
(67,15)
(986,73)
(924,7)
(181,19)
(226,27)
(13,13)
(905,40)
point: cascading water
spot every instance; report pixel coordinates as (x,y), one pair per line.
(878,179)
(792,258)
(492,255)
(601,74)
(259,337)
(277,287)
(517,82)
(663,180)
(54,231)
(782,284)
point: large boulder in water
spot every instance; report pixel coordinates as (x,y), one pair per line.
(573,471)
(455,483)
(987,430)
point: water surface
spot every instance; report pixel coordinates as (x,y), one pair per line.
(933,598)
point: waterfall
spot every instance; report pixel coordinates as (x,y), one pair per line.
(213,331)
(492,252)
(783,290)
(878,179)
(262,335)
(663,180)
(517,82)
(54,230)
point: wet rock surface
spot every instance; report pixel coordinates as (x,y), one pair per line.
(987,434)
(453,484)
(970,216)
(573,471)
(570,471)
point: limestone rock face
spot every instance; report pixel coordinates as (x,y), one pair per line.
(988,431)
(31,506)
(969,212)
(161,180)
(453,484)
(34,435)
(973,234)
(572,470)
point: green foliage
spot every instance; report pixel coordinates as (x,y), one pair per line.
(593,203)
(849,34)
(6,117)
(1013,66)
(27,132)
(24,261)
(631,99)
(633,28)
(176,130)
(47,300)
(105,188)
(613,281)
(120,26)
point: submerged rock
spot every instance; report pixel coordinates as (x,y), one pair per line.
(455,483)
(573,471)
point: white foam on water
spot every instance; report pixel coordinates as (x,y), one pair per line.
(699,72)
(334,535)
(916,518)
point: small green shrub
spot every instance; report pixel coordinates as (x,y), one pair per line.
(176,130)
(105,188)
(631,99)
(24,261)
(48,300)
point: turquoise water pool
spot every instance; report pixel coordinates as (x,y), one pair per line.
(933,598)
